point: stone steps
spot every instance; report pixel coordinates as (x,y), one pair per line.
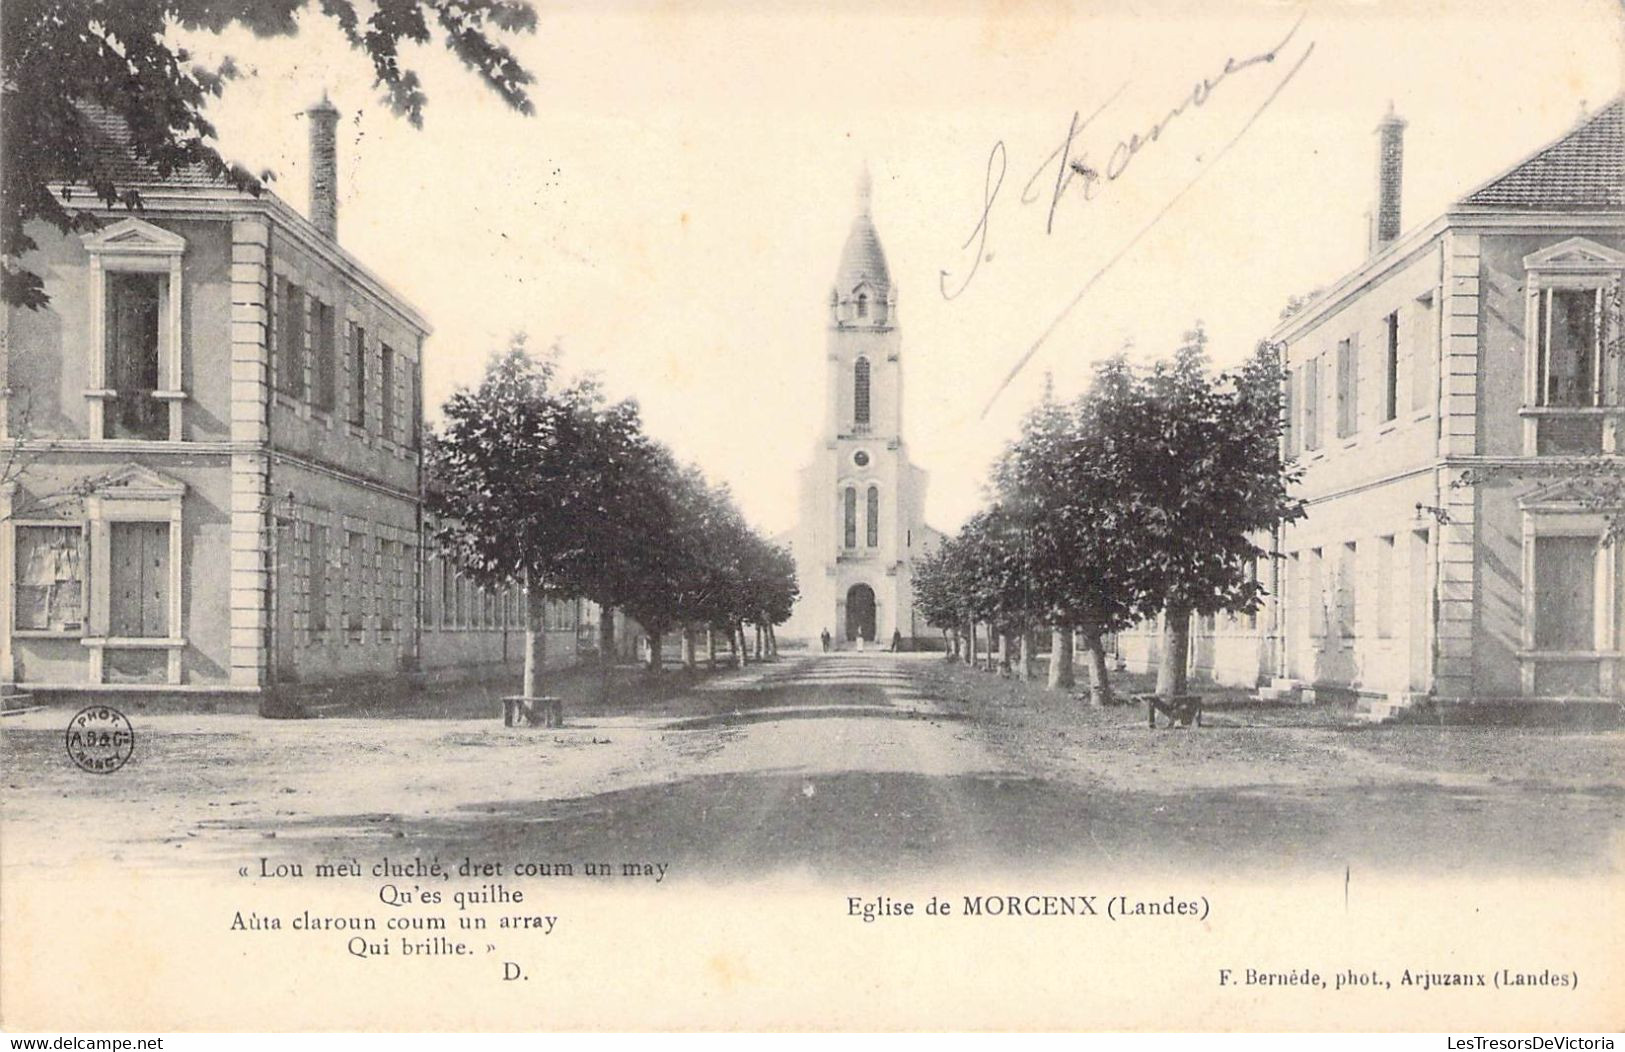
(14,700)
(1280,689)
(1387,709)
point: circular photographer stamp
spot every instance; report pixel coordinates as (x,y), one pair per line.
(100,739)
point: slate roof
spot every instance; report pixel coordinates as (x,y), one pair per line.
(111,145)
(862,259)
(1583,171)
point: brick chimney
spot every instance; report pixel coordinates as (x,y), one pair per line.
(1390,172)
(324,167)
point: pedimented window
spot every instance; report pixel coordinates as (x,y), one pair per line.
(135,389)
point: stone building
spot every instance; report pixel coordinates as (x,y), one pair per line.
(861,524)
(1453,402)
(213,469)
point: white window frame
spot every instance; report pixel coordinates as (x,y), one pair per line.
(134,494)
(136,246)
(65,511)
(1556,513)
(62,511)
(1577,263)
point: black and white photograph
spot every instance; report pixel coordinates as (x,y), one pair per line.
(962,515)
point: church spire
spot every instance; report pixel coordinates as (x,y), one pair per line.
(863,289)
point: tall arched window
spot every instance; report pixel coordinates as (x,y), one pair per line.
(860,392)
(863,304)
(874,516)
(851,517)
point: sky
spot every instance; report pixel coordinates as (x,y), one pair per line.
(672,214)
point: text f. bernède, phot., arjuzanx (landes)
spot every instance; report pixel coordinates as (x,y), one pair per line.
(1414,978)
(870,908)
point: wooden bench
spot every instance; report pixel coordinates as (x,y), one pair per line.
(1181,709)
(538,712)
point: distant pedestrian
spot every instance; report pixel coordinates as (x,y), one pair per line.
(824,636)
(896,640)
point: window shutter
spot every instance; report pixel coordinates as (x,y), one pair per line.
(1345,369)
(1289,407)
(1354,384)
(1311,405)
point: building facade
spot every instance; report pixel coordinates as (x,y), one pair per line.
(213,471)
(861,524)
(1455,404)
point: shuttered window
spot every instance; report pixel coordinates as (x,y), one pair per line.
(139,588)
(1348,387)
(321,356)
(50,582)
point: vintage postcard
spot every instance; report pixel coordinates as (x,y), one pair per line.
(1092,516)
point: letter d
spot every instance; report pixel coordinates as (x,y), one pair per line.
(511,971)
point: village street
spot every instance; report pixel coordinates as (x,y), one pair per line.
(820,765)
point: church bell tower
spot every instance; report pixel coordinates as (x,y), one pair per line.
(860,525)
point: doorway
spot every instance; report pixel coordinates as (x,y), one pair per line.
(860,613)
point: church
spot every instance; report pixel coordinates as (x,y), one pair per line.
(861,526)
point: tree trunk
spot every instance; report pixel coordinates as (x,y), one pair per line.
(711,646)
(1060,659)
(953,644)
(772,642)
(688,647)
(654,651)
(1100,688)
(1002,661)
(535,641)
(1176,645)
(988,655)
(1024,664)
(606,635)
(970,651)
(733,648)
(744,645)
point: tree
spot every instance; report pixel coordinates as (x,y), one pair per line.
(527,483)
(945,590)
(668,576)
(1198,472)
(999,571)
(62,60)
(935,595)
(686,557)
(1052,480)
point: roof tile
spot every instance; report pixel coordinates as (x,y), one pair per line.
(1583,171)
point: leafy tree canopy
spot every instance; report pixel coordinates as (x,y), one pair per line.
(63,60)
(546,482)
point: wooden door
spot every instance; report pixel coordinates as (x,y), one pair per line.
(139,605)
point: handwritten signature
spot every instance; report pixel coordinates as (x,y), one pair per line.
(1068,167)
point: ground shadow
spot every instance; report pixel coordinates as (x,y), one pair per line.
(854,824)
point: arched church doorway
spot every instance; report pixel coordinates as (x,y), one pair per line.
(860,613)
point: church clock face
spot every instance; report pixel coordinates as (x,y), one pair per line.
(861,459)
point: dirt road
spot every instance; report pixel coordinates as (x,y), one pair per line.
(843,764)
